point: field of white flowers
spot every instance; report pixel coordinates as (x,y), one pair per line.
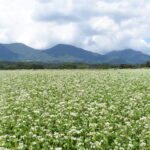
(75,110)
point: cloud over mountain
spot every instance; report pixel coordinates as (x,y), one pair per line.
(97,25)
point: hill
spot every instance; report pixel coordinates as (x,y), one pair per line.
(26,53)
(127,56)
(7,55)
(68,53)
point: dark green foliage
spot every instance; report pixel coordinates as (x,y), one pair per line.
(38,65)
(124,66)
(147,64)
(20,65)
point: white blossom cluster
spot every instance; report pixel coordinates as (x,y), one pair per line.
(75,110)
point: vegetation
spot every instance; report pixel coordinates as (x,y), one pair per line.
(62,53)
(75,109)
(38,65)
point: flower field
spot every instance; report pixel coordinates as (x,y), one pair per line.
(75,110)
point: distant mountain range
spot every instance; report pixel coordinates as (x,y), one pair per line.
(69,53)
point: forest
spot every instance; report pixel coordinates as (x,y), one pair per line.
(41,65)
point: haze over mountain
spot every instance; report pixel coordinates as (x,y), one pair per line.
(69,53)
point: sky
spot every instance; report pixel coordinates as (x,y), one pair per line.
(96,25)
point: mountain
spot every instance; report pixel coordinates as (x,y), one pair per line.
(26,53)
(7,55)
(127,56)
(69,53)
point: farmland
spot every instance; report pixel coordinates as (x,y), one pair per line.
(75,109)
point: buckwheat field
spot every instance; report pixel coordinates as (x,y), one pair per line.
(75,110)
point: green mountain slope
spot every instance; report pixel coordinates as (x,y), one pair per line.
(68,53)
(127,56)
(27,53)
(7,55)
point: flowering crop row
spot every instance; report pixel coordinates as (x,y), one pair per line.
(75,110)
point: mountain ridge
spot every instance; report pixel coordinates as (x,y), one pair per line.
(69,53)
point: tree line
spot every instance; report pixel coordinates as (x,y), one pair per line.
(39,65)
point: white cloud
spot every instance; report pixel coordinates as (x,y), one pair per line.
(97,25)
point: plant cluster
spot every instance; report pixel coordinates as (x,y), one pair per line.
(75,110)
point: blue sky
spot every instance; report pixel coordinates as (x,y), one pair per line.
(96,25)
